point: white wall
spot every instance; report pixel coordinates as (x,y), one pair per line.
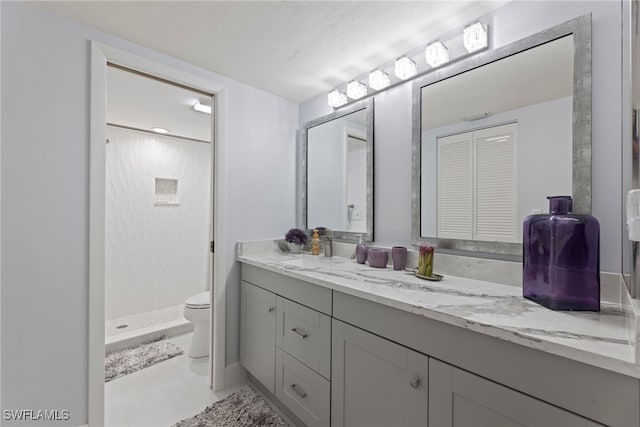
(509,23)
(156,255)
(543,157)
(45,200)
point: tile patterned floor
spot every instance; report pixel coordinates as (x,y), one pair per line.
(143,320)
(162,394)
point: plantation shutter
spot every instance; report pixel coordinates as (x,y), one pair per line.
(495,184)
(477,178)
(455,189)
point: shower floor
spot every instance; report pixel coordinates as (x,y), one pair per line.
(136,328)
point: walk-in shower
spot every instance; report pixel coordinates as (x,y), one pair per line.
(158,206)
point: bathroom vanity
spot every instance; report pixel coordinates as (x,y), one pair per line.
(344,344)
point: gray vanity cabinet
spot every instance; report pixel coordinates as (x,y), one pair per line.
(376,382)
(258,333)
(285,342)
(458,398)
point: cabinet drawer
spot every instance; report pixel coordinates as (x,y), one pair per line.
(305,334)
(302,390)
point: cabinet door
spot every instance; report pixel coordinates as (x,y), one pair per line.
(258,333)
(376,382)
(458,398)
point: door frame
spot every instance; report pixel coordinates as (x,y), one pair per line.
(100,55)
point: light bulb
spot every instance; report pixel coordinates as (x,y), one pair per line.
(436,54)
(378,80)
(356,90)
(475,37)
(405,68)
(336,98)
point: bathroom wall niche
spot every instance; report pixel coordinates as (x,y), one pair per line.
(166,191)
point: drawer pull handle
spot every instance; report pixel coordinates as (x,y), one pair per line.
(299,333)
(271,309)
(414,382)
(297,390)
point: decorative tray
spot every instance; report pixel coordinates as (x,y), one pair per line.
(435,278)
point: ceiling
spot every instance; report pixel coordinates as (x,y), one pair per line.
(294,49)
(531,77)
(144,103)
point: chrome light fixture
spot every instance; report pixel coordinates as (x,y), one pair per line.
(160,130)
(405,68)
(336,98)
(378,80)
(436,54)
(472,38)
(356,90)
(475,37)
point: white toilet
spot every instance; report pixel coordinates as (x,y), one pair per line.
(197,310)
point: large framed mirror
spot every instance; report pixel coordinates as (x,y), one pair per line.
(335,172)
(495,134)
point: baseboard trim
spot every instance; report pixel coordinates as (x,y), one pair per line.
(234,375)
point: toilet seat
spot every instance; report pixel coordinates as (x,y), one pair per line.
(199,301)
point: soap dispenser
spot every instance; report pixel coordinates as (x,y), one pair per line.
(561,258)
(315,243)
(361,251)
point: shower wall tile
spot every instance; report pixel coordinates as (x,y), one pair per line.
(156,256)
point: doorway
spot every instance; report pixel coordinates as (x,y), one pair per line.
(180,76)
(158,266)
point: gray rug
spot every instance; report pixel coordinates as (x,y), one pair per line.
(244,408)
(123,362)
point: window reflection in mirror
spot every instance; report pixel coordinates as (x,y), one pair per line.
(495,142)
(337,174)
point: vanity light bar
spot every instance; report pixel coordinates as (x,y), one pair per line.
(356,90)
(405,68)
(474,37)
(337,99)
(436,54)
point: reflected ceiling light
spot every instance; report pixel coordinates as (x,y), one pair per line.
(356,90)
(336,98)
(203,108)
(436,54)
(478,116)
(378,80)
(160,130)
(405,68)
(475,37)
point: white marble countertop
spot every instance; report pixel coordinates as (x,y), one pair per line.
(598,339)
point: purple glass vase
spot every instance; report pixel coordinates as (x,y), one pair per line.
(561,258)
(399,256)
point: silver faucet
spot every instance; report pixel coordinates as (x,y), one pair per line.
(327,242)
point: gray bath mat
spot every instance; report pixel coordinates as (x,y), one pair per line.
(123,362)
(244,408)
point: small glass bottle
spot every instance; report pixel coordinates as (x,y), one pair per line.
(561,258)
(315,243)
(361,251)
